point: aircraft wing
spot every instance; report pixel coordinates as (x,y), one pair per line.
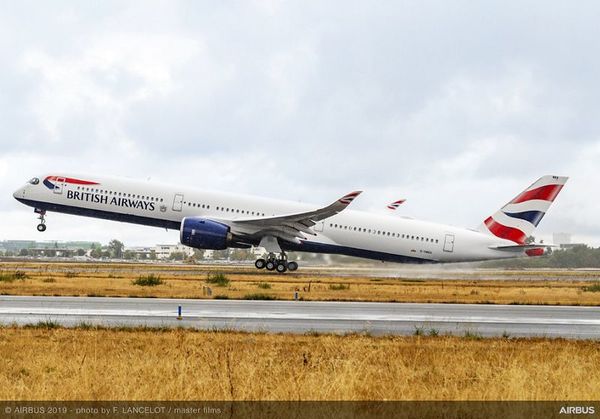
(291,227)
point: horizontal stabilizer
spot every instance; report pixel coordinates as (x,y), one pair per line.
(522,247)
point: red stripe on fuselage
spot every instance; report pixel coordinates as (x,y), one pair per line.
(505,232)
(72,180)
(544,193)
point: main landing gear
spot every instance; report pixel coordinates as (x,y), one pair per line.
(274,263)
(41,227)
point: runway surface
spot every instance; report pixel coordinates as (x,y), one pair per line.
(300,317)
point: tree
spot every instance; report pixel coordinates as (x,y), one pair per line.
(198,254)
(116,248)
(96,253)
(128,255)
(177,256)
(23,252)
(153,254)
(80,252)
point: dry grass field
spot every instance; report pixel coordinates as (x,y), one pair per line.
(559,287)
(79,364)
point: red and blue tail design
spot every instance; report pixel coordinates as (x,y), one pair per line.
(517,219)
(394,205)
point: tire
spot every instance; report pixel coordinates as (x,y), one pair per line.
(270,266)
(41,227)
(260,263)
(292,266)
(281,268)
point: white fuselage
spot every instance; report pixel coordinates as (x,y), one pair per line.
(350,232)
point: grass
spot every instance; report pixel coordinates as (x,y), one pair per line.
(558,287)
(150,280)
(91,363)
(71,274)
(264,285)
(43,324)
(595,287)
(12,276)
(259,296)
(339,287)
(218,279)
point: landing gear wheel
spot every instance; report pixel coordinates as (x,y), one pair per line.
(281,267)
(292,266)
(260,263)
(41,227)
(270,265)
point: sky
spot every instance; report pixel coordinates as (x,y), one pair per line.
(456,106)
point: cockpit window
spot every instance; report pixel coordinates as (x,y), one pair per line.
(34,181)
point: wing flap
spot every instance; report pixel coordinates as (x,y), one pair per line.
(291,226)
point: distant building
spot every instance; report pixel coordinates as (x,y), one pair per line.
(561,238)
(164,251)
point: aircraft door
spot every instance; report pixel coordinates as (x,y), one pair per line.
(178,202)
(59,185)
(449,243)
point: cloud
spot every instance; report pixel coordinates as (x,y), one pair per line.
(441,103)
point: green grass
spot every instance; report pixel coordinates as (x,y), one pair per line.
(43,324)
(339,287)
(12,276)
(259,296)
(218,279)
(469,334)
(595,287)
(150,280)
(264,285)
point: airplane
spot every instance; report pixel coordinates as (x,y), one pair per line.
(218,220)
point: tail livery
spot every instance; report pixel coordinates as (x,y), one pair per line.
(394,205)
(517,219)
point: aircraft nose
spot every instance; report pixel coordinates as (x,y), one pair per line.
(18,193)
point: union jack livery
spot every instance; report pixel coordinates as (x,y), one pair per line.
(347,199)
(52,182)
(516,220)
(394,205)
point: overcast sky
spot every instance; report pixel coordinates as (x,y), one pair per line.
(456,106)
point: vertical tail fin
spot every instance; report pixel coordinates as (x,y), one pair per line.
(517,219)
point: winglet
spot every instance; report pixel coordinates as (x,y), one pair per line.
(347,199)
(394,205)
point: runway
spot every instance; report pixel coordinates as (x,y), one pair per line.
(301,317)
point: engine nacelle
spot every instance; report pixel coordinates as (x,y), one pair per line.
(204,234)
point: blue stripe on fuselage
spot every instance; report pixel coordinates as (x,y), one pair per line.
(315,247)
(49,184)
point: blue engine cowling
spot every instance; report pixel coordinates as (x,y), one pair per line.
(204,234)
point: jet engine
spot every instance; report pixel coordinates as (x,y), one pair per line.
(204,234)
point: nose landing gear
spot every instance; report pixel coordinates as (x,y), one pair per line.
(274,263)
(41,227)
